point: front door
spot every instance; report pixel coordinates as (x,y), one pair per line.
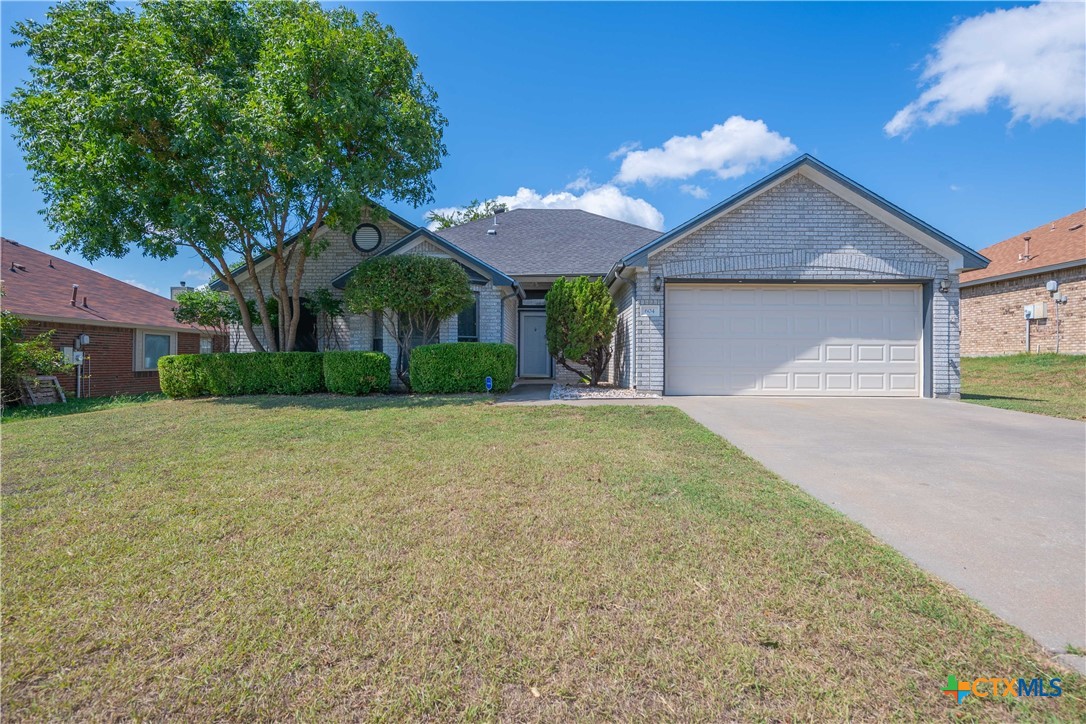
(535,360)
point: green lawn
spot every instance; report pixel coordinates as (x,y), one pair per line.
(1048,384)
(391,558)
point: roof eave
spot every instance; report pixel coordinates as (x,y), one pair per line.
(1036,271)
(971,260)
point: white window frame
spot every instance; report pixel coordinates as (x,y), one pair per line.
(210,344)
(137,357)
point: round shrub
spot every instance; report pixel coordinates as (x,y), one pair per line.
(463,367)
(356,373)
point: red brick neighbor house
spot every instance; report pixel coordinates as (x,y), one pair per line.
(120,330)
(995,299)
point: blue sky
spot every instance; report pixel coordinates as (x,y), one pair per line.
(540,97)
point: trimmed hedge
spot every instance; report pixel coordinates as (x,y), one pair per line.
(356,373)
(226,374)
(462,367)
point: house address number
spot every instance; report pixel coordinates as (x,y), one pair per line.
(650,310)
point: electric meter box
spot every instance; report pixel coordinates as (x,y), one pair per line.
(1036,311)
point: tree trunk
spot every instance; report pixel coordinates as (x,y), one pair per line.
(246,318)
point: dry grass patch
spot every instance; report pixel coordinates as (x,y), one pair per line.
(400,558)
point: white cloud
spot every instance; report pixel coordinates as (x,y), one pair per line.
(196,274)
(1033,59)
(624,149)
(729,149)
(605,200)
(955,187)
(144,287)
(694,190)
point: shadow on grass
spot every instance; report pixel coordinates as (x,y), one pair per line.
(77,405)
(983,398)
(324,401)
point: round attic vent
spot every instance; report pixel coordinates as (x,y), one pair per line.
(366,238)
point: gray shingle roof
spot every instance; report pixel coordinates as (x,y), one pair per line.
(550,241)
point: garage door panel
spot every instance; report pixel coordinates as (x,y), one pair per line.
(871,352)
(838,326)
(839,383)
(809,340)
(808,352)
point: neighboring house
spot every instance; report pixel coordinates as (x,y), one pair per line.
(805,283)
(128,328)
(994,300)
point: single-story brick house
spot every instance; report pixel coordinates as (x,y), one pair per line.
(994,300)
(805,283)
(127,329)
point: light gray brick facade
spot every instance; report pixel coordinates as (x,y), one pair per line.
(797,230)
(358,331)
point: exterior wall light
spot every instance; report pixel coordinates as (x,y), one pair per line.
(657,284)
(944,285)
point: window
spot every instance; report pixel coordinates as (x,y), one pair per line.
(467,324)
(420,337)
(150,346)
(207,345)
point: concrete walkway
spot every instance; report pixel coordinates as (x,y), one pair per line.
(992,501)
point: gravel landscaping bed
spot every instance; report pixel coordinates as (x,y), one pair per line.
(580,392)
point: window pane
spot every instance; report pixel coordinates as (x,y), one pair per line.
(154,346)
(467,324)
(206,345)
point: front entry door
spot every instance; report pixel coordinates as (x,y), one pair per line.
(535,361)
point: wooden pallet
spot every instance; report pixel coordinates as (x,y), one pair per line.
(42,390)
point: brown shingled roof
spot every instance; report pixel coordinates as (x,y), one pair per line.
(1057,242)
(33,288)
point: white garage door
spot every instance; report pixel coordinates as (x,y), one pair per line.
(792,339)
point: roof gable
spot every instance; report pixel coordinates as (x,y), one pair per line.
(838,184)
(240,273)
(475,267)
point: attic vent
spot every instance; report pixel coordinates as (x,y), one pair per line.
(492,231)
(1076,227)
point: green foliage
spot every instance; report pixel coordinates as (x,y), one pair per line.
(356,373)
(412,294)
(472,211)
(326,307)
(463,367)
(227,128)
(210,309)
(258,373)
(22,358)
(581,320)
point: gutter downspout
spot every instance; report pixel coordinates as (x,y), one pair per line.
(501,307)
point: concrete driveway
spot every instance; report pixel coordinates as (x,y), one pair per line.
(992,501)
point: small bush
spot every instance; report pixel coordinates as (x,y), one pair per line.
(463,367)
(356,373)
(227,374)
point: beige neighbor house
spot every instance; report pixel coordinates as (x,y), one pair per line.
(996,300)
(805,283)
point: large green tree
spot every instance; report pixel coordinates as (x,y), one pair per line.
(410,294)
(581,321)
(235,130)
